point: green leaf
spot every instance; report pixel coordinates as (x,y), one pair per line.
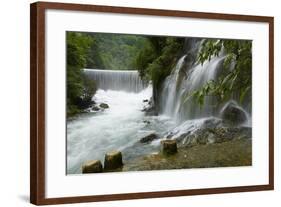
(244,92)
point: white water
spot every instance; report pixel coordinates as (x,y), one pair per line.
(120,80)
(178,87)
(117,128)
(121,126)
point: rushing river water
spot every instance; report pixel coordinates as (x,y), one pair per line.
(123,124)
(119,127)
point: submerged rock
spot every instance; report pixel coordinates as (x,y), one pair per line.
(149,138)
(104,105)
(233,113)
(169,147)
(145,100)
(113,160)
(92,166)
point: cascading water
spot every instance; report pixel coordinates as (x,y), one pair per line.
(187,77)
(124,123)
(119,127)
(120,80)
(177,101)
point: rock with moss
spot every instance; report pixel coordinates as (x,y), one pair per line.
(233,113)
(104,105)
(169,147)
(213,135)
(113,160)
(148,138)
(92,166)
(95,108)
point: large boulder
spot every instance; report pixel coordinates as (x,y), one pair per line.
(92,166)
(113,160)
(148,138)
(233,113)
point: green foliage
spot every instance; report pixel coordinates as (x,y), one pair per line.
(145,57)
(158,57)
(96,50)
(89,89)
(78,88)
(233,80)
(114,51)
(163,65)
(154,58)
(209,48)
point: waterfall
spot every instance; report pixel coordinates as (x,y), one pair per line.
(189,76)
(170,92)
(121,80)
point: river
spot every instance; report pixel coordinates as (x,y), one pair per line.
(120,127)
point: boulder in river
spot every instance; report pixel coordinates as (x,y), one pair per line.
(169,147)
(104,105)
(148,138)
(113,160)
(95,108)
(233,113)
(92,166)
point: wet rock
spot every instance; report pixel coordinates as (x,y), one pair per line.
(147,122)
(84,103)
(95,108)
(169,147)
(104,105)
(113,160)
(233,113)
(145,100)
(213,135)
(149,138)
(92,166)
(150,111)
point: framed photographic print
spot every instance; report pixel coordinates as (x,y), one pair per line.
(130,103)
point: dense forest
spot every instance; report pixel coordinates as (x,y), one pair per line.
(154,57)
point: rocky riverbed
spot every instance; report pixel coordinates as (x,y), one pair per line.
(233,153)
(205,147)
(121,126)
